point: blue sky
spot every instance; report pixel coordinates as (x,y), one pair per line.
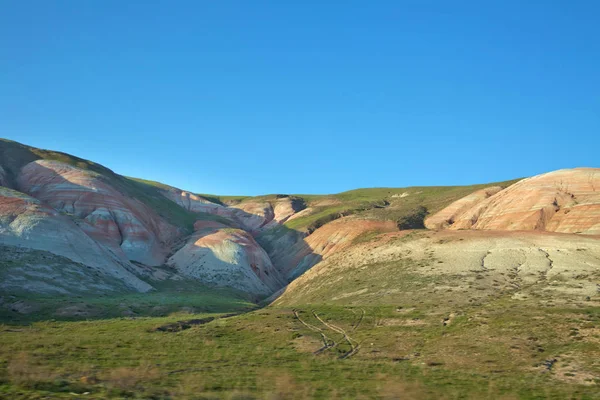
(254,97)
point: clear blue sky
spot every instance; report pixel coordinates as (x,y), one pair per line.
(253,97)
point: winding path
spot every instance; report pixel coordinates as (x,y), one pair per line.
(353,348)
(327,341)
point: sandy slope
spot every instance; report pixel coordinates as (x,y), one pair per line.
(474,263)
(566,201)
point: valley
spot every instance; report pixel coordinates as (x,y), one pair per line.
(118,287)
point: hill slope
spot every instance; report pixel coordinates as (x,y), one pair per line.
(561,201)
(156,232)
(498,299)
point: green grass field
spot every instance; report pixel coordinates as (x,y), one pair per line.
(414,342)
(408,338)
(270,353)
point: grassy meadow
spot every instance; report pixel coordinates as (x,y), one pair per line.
(502,348)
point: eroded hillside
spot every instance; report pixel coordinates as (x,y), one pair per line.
(141,233)
(485,290)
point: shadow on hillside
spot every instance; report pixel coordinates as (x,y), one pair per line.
(287,249)
(26,308)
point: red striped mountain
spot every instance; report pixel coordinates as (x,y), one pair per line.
(565,201)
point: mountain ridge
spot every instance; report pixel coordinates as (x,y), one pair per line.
(144,225)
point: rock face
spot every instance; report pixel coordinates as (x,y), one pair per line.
(448,215)
(26,222)
(258,215)
(124,224)
(294,253)
(565,201)
(220,255)
(191,202)
(260,219)
(250,215)
(285,208)
(95,223)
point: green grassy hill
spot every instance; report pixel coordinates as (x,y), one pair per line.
(394,204)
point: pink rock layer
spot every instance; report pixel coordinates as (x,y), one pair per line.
(121,223)
(223,256)
(294,254)
(566,201)
(26,222)
(250,215)
(448,215)
(191,202)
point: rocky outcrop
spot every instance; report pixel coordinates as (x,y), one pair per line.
(219,255)
(448,215)
(119,222)
(565,201)
(250,215)
(285,208)
(26,222)
(191,202)
(293,252)
(88,214)
(258,215)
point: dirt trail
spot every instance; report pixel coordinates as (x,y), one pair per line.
(327,341)
(353,348)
